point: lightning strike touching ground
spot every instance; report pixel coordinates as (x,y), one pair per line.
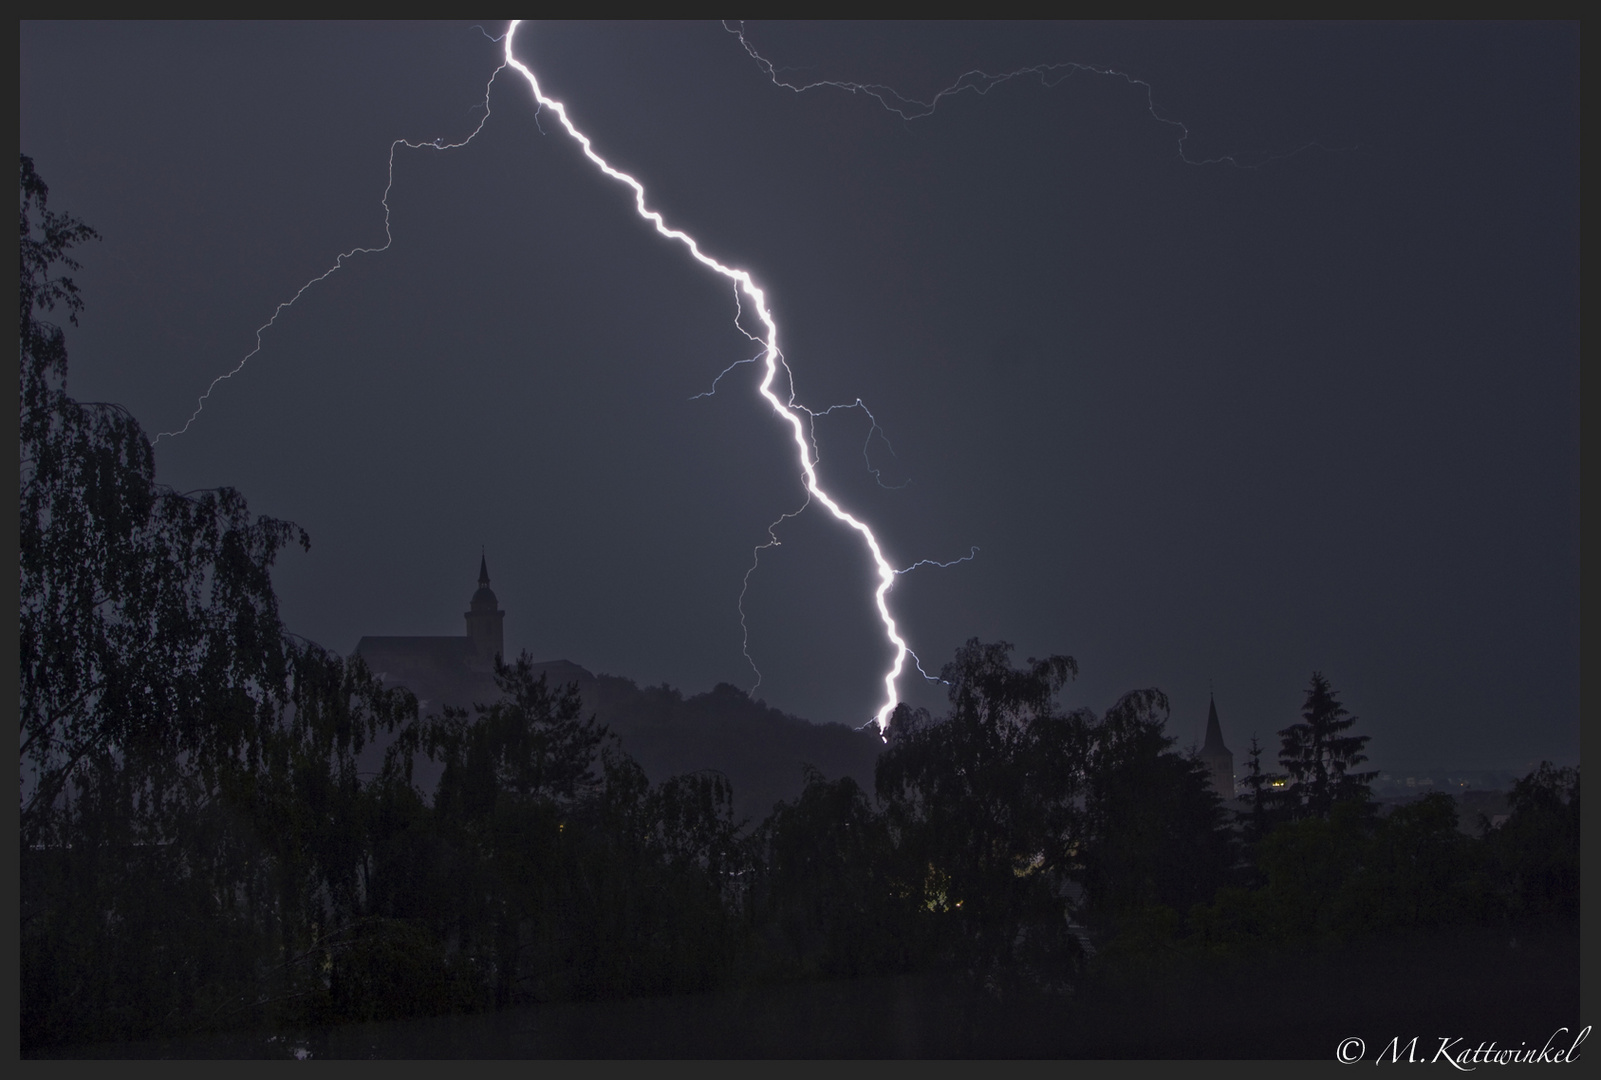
(745,289)
(787,411)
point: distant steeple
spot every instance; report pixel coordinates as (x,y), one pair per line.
(485,620)
(1214,732)
(1219,760)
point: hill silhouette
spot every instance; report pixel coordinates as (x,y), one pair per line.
(761,750)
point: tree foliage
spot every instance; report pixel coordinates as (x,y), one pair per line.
(1536,852)
(200,852)
(1014,818)
(1156,834)
(151,644)
(829,901)
(1263,794)
(547,861)
(185,763)
(1319,757)
(985,807)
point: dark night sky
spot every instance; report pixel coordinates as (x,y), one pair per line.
(1207,424)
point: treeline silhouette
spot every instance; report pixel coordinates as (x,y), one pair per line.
(200,852)
(760,749)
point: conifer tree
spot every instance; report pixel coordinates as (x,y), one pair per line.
(1265,794)
(1318,756)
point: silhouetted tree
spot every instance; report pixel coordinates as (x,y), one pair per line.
(1306,864)
(535,744)
(983,807)
(513,776)
(829,903)
(1155,834)
(1264,795)
(1536,852)
(1419,870)
(548,864)
(188,792)
(1318,757)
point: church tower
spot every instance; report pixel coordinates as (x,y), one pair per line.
(486,632)
(1216,757)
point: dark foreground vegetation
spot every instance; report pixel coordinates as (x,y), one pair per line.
(1299,1004)
(756,746)
(199,855)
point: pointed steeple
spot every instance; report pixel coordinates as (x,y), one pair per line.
(1219,760)
(485,620)
(1214,731)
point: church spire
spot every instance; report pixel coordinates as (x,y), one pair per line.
(485,620)
(1214,730)
(1219,761)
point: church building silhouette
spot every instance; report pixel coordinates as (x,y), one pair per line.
(457,670)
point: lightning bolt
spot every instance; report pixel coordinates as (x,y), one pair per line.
(801,421)
(771,360)
(907,108)
(814,414)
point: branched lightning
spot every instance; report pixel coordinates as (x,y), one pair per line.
(339,262)
(751,299)
(713,391)
(972,553)
(907,108)
(772,360)
(969,557)
(924,674)
(878,475)
(755,560)
(814,414)
(739,311)
(800,420)
(982,82)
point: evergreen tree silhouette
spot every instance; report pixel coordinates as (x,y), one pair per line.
(1265,795)
(1319,757)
